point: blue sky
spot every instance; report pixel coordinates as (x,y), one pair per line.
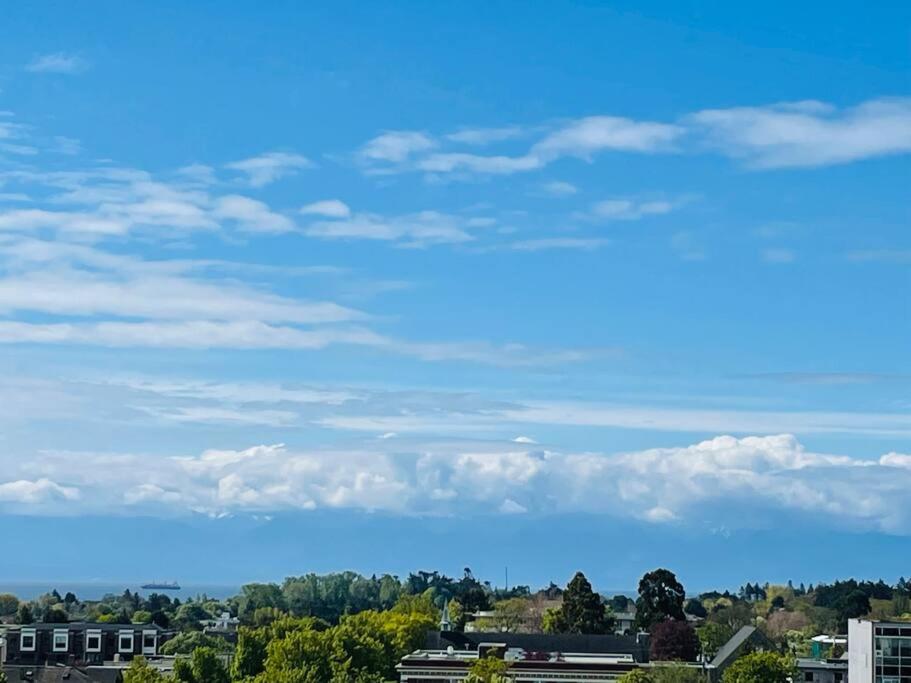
(633,274)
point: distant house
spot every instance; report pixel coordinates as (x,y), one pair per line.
(625,622)
(80,643)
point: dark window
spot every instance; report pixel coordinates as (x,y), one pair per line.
(808,676)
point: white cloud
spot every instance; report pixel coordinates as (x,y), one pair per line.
(485,136)
(524,439)
(585,137)
(712,481)
(806,134)
(396,146)
(630,209)
(423,229)
(330,208)
(251,215)
(559,188)
(57,63)
(549,243)
(778,255)
(269,167)
(33,492)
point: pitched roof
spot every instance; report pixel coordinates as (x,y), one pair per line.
(730,650)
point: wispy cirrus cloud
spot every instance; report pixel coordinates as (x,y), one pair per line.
(808,133)
(267,168)
(58,63)
(622,209)
(419,230)
(550,243)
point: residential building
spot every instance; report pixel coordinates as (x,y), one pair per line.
(879,651)
(80,643)
(822,670)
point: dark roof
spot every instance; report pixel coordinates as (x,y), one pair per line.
(540,642)
(731,649)
(88,626)
(62,674)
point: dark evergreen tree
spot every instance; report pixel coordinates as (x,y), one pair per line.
(582,610)
(661,598)
(696,608)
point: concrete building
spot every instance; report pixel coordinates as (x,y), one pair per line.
(879,651)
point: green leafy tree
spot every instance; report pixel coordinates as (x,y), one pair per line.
(695,607)
(677,673)
(142,616)
(8,604)
(712,636)
(854,604)
(24,614)
(488,669)
(661,598)
(553,621)
(203,666)
(761,667)
(189,616)
(253,596)
(139,671)
(186,643)
(664,673)
(582,609)
(56,615)
(250,653)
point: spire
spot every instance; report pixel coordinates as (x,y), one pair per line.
(445,624)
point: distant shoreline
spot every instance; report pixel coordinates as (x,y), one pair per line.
(95,590)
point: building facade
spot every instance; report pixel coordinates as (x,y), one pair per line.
(879,651)
(80,643)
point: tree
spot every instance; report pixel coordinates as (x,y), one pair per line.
(189,617)
(186,643)
(673,641)
(854,604)
(139,671)
(582,610)
(3,678)
(661,598)
(761,667)
(142,616)
(712,636)
(204,666)
(56,615)
(256,595)
(8,604)
(24,614)
(665,673)
(489,669)
(696,608)
(553,621)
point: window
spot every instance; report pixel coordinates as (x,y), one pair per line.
(93,641)
(149,643)
(61,640)
(125,642)
(27,640)
(808,676)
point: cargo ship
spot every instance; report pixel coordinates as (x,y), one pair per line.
(161,586)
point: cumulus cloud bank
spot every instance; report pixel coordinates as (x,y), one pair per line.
(772,473)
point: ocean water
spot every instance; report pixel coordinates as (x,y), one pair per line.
(95,590)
